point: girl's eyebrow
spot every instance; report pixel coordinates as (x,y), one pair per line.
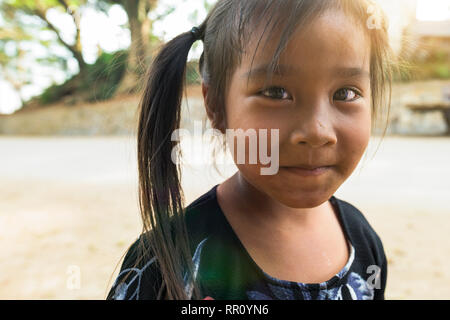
(263,70)
(287,70)
(353,72)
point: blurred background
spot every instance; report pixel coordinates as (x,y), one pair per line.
(70,78)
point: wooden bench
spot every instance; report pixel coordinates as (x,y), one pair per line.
(443,107)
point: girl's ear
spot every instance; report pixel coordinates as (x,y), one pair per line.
(204,90)
(216,122)
(209,113)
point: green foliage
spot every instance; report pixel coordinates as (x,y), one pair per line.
(54,93)
(99,81)
(443,71)
(28,21)
(103,77)
(436,70)
(192,74)
(427,60)
(31,5)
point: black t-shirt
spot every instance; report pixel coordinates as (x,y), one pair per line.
(225,270)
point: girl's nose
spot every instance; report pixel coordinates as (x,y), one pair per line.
(314,128)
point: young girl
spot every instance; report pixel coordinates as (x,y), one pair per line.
(316,71)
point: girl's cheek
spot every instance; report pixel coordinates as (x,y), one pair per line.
(353,139)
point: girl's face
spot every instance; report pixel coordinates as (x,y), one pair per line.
(319,99)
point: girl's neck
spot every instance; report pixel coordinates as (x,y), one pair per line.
(264,211)
(301,245)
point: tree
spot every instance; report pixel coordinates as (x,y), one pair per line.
(11,68)
(140,28)
(27,18)
(13,9)
(142,39)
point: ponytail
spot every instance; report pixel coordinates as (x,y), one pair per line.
(160,194)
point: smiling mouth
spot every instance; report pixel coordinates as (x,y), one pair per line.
(307,171)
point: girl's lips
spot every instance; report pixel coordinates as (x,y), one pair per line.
(306,172)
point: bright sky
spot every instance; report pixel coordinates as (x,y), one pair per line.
(99,29)
(436,10)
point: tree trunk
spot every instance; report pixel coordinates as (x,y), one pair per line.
(137,51)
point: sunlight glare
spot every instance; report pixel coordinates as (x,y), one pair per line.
(433,10)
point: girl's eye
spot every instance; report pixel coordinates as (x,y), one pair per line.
(275,93)
(347,93)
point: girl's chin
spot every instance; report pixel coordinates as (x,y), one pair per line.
(301,197)
(304,202)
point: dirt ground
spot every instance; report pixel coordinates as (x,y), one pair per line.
(69,210)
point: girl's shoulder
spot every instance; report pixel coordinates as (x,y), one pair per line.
(202,216)
(358,229)
(353,218)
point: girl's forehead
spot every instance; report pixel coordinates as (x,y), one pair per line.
(330,37)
